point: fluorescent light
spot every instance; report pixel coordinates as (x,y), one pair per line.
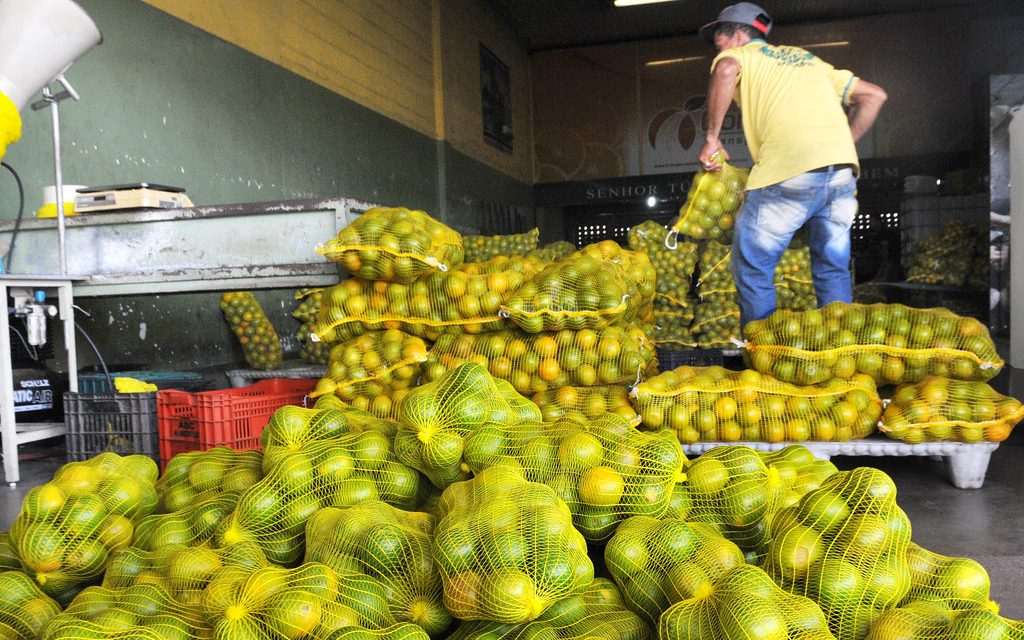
(651,201)
(841,43)
(658,63)
(633,3)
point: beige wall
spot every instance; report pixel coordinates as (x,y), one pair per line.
(384,55)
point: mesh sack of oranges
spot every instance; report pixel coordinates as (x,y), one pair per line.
(844,545)
(794,284)
(462,300)
(506,548)
(715,404)
(140,612)
(291,426)
(533,363)
(8,556)
(636,264)
(260,344)
(731,489)
(800,472)
(436,418)
(674,265)
(191,525)
(399,631)
(744,603)
(393,546)
(657,563)
(585,403)
(553,251)
(394,244)
(931,620)
(67,527)
(196,476)
(715,273)
(712,203)
(598,612)
(183,571)
(892,343)
(716,322)
(340,472)
(24,608)
(604,469)
(309,601)
(946,257)
(483,248)
(371,370)
(586,290)
(307,312)
(942,409)
(672,329)
(958,583)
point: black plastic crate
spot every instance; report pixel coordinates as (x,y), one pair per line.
(123,423)
(669,360)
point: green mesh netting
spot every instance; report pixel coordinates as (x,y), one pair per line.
(585,403)
(598,612)
(672,329)
(844,545)
(892,343)
(506,548)
(24,608)
(481,248)
(949,256)
(183,571)
(604,469)
(715,404)
(140,612)
(260,344)
(744,604)
(533,363)
(712,203)
(340,472)
(436,418)
(395,244)
(658,563)
(393,546)
(67,527)
(197,476)
(191,525)
(942,409)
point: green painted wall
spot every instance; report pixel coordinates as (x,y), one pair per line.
(168,103)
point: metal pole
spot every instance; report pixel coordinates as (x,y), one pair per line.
(58,178)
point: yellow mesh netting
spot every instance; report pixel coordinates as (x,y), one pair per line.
(506,548)
(798,470)
(10,124)
(184,571)
(674,265)
(585,403)
(949,256)
(436,418)
(715,404)
(307,313)
(400,631)
(378,540)
(794,287)
(931,620)
(744,604)
(140,612)
(373,371)
(892,343)
(24,608)
(481,248)
(310,601)
(197,476)
(941,409)
(340,472)
(636,264)
(844,545)
(462,300)
(958,583)
(395,244)
(191,525)
(603,469)
(597,613)
(554,251)
(256,334)
(291,427)
(672,329)
(712,203)
(67,527)
(533,363)
(715,273)
(8,556)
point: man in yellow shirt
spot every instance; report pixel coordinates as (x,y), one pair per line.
(801,117)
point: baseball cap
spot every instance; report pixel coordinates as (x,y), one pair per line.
(746,13)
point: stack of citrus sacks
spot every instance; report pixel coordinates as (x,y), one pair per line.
(470,518)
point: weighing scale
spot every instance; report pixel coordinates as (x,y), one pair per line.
(140,195)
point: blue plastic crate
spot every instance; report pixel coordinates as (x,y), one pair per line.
(96,382)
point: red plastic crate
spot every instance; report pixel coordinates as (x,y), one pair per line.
(232,418)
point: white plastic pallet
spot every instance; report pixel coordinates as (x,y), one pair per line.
(965,463)
(244,377)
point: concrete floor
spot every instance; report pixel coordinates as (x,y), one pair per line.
(984,524)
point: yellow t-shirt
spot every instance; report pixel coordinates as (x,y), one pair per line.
(792,106)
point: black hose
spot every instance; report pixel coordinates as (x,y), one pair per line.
(106,372)
(21,212)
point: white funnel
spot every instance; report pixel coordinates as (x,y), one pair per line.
(39,39)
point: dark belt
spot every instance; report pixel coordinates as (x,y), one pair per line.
(833,167)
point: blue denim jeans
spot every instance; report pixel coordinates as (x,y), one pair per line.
(826,203)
